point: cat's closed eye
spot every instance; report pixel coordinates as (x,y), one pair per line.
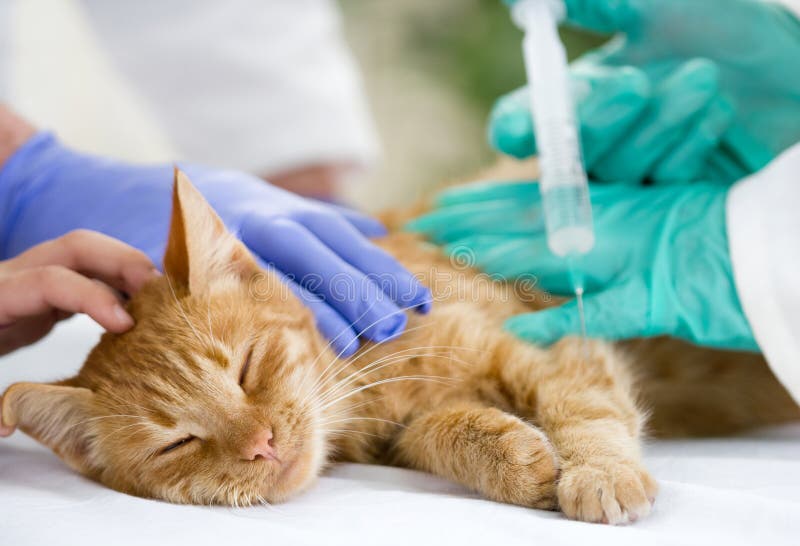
(175,445)
(245,367)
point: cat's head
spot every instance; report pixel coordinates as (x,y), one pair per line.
(211,398)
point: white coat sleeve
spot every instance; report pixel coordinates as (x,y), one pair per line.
(259,85)
(793,5)
(763,217)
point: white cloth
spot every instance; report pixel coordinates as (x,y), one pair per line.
(735,491)
(763,215)
(257,85)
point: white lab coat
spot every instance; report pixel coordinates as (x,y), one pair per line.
(258,85)
(763,216)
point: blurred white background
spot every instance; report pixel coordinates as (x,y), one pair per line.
(429,69)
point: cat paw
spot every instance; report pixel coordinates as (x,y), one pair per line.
(527,468)
(615,493)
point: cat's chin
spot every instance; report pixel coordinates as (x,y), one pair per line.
(297,472)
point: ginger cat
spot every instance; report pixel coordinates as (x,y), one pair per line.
(225,393)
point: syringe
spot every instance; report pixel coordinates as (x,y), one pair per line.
(563,183)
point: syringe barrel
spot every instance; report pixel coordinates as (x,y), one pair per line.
(564,189)
(563,182)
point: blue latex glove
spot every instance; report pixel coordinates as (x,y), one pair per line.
(724,90)
(320,250)
(661,264)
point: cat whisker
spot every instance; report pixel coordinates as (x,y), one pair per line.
(392,357)
(79,423)
(338,355)
(263,502)
(341,385)
(365,403)
(431,378)
(388,421)
(358,333)
(383,363)
(216,492)
(420,348)
(341,431)
(340,413)
(117,431)
(347,411)
(346,362)
(117,398)
(334,339)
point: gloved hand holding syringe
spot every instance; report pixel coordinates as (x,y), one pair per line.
(563,182)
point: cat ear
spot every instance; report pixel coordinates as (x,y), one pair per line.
(200,248)
(55,415)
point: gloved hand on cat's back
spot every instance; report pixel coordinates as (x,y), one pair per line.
(660,266)
(321,251)
(686,91)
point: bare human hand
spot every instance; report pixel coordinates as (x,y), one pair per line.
(81,272)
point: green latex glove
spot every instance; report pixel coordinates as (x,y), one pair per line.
(724,85)
(609,101)
(661,264)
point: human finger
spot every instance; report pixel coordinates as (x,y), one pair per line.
(93,254)
(42,289)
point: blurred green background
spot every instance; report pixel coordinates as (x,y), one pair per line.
(432,71)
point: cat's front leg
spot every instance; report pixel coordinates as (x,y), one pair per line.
(586,407)
(485,449)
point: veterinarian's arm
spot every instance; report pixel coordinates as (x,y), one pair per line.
(687,91)
(47,190)
(76,273)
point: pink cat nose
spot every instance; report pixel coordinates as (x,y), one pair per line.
(260,446)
